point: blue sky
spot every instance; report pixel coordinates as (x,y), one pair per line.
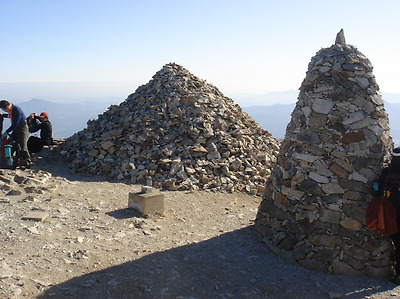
(246,47)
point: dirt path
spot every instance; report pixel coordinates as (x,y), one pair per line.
(91,246)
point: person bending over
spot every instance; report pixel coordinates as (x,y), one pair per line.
(18,129)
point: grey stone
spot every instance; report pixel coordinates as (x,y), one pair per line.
(340,40)
(332,188)
(322,106)
(319,178)
(330,216)
(362,82)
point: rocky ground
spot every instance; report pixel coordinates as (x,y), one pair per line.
(70,236)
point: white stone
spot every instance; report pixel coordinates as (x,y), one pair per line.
(332,188)
(358,177)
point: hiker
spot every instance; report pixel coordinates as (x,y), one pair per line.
(393,168)
(2,116)
(43,124)
(19,129)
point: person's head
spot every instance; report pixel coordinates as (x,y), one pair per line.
(44,116)
(396,157)
(5,105)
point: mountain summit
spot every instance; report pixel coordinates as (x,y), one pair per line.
(176,132)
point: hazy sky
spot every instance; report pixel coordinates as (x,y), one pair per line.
(242,47)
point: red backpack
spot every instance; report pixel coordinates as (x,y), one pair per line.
(381,213)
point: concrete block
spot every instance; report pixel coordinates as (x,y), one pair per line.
(148,201)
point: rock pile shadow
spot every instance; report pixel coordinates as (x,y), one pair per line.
(222,267)
(50,160)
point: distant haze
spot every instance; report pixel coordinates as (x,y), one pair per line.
(66,91)
(69,112)
(116,92)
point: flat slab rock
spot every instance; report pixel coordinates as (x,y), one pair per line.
(36,216)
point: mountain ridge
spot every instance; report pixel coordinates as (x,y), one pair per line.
(69,118)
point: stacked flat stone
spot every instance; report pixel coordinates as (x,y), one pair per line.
(177,132)
(335,146)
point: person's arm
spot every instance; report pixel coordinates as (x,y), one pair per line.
(34,124)
(1,123)
(10,128)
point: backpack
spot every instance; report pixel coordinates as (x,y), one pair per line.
(35,144)
(6,162)
(381,213)
(391,189)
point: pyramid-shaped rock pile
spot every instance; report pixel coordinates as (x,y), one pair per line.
(335,146)
(176,132)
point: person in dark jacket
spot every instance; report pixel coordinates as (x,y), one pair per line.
(19,129)
(393,168)
(43,124)
(2,116)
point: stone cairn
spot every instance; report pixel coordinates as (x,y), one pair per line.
(336,144)
(177,132)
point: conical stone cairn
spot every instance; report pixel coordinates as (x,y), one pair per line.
(177,132)
(335,146)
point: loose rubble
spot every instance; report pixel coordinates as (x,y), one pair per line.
(177,132)
(335,146)
(90,245)
(27,182)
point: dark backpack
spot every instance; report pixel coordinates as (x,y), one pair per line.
(35,144)
(391,190)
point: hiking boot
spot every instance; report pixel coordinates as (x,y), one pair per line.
(25,164)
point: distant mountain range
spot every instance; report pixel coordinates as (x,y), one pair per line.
(66,118)
(275,118)
(271,98)
(69,118)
